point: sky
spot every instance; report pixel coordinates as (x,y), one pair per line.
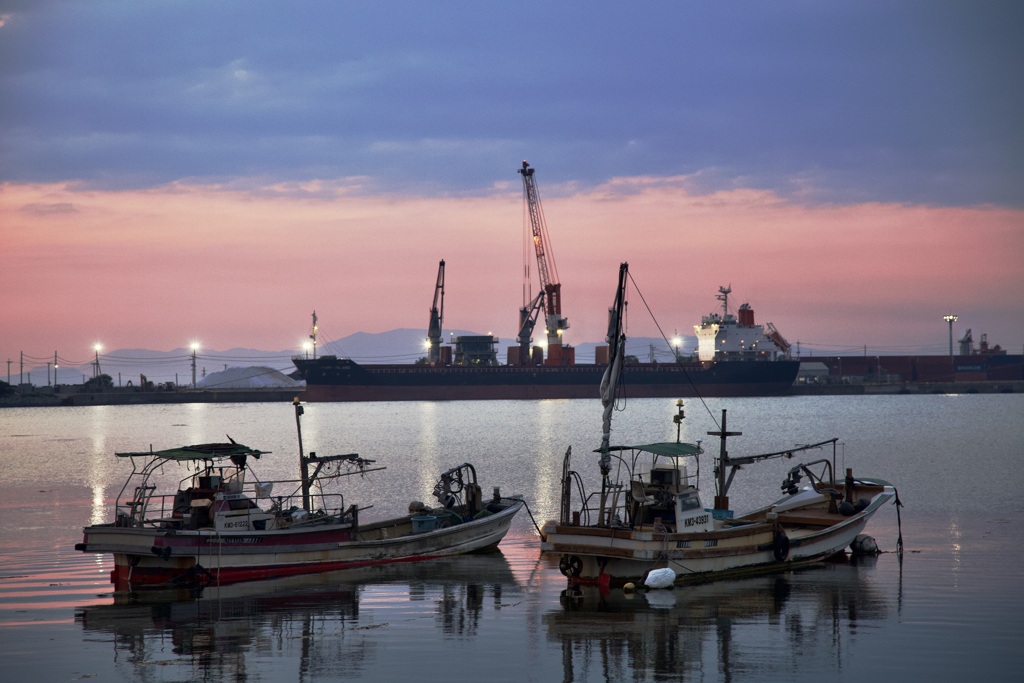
(194,172)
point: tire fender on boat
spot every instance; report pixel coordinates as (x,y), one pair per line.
(570,565)
(780,546)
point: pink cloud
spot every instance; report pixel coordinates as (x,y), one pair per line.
(245,267)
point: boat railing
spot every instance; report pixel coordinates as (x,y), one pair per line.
(169,510)
(616,507)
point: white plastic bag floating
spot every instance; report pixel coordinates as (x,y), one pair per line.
(660,578)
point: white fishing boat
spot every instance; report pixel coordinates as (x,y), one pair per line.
(221,524)
(648,521)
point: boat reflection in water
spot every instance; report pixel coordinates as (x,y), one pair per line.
(330,624)
(801,620)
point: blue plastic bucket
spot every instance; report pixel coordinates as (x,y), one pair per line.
(423,523)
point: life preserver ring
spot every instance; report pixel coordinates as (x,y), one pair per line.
(780,546)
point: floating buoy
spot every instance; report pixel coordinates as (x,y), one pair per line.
(660,578)
(629,587)
(864,545)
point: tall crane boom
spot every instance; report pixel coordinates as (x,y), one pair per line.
(436,318)
(552,289)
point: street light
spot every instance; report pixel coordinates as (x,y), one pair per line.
(950,318)
(677,343)
(195,347)
(97,348)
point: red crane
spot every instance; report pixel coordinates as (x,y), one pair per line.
(552,289)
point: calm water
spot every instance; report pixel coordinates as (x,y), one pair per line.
(953,609)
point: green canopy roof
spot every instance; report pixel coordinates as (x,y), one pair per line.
(670,448)
(204,451)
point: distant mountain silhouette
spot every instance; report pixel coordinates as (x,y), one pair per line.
(404,345)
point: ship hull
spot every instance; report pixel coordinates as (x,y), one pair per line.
(338,379)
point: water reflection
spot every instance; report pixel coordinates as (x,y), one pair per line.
(331,624)
(721,629)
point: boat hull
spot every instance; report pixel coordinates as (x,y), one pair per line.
(611,556)
(152,558)
(338,379)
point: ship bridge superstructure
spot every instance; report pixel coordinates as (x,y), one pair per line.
(725,336)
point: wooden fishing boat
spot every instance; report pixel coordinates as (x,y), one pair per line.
(221,524)
(648,521)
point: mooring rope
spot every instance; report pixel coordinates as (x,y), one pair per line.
(530,512)
(899,524)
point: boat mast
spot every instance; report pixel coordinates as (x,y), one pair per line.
(610,381)
(721,497)
(303,463)
(723,296)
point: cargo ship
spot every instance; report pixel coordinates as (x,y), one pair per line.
(736,357)
(330,378)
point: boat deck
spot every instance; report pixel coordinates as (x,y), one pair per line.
(816,517)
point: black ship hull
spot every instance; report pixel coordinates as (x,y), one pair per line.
(339,379)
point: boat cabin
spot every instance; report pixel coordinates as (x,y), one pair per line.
(663,490)
(668,499)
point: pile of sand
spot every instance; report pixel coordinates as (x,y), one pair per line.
(248,378)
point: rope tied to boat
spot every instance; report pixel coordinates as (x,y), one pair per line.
(899,524)
(530,512)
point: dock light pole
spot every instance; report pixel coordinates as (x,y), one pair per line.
(195,347)
(950,318)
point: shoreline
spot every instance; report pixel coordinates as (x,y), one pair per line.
(50,399)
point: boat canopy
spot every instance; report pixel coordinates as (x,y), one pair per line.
(205,451)
(672,449)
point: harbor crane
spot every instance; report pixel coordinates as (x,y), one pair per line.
(551,289)
(528,315)
(436,318)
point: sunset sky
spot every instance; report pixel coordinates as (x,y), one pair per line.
(188,171)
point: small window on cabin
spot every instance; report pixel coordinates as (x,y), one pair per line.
(689,501)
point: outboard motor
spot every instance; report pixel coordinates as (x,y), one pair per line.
(790,484)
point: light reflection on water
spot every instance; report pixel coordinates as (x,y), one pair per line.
(948,610)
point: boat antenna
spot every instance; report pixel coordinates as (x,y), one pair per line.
(723,296)
(313,336)
(678,419)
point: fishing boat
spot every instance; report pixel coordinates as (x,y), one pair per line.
(221,524)
(648,522)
